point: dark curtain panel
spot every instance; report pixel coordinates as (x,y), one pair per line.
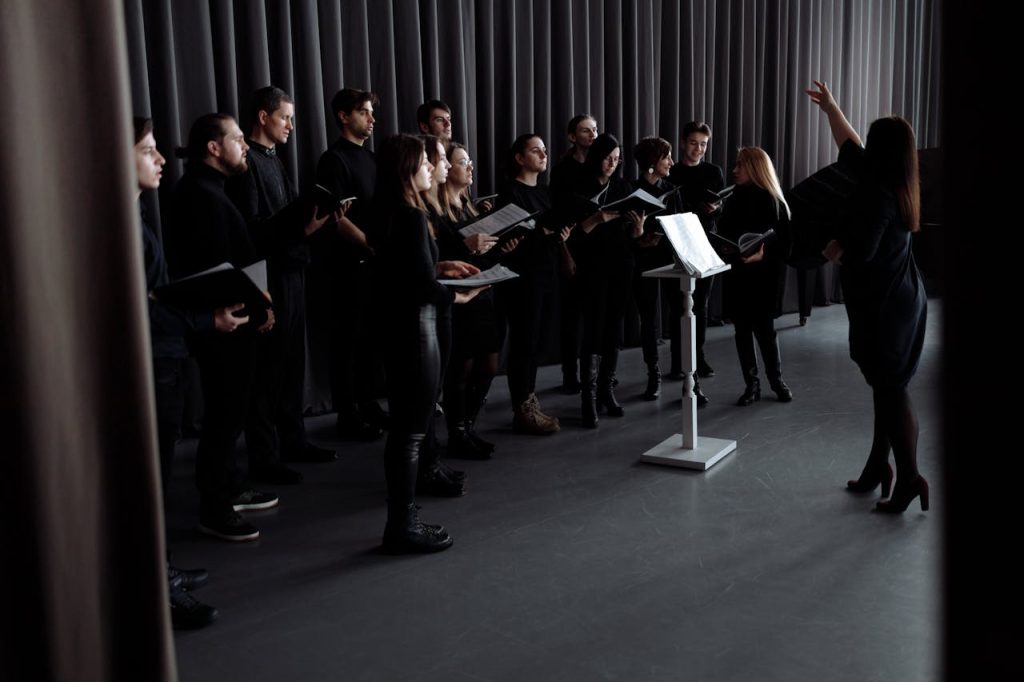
(642,67)
(85,588)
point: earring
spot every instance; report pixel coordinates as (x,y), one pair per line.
(650,171)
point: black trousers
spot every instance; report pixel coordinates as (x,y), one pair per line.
(170,382)
(275,424)
(527,308)
(569,323)
(355,360)
(414,374)
(763,329)
(226,367)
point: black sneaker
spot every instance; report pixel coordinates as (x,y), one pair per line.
(704,370)
(190,579)
(274,473)
(231,527)
(248,500)
(187,612)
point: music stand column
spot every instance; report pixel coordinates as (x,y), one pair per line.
(687,449)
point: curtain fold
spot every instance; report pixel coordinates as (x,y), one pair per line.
(82,526)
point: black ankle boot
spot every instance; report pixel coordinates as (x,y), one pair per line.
(461,445)
(783,392)
(653,390)
(483,445)
(606,382)
(404,534)
(702,399)
(752,394)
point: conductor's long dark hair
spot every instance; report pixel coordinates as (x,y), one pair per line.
(891,152)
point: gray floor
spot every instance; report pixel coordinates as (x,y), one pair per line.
(572,561)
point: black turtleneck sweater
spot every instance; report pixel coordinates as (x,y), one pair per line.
(694,180)
(262,195)
(350,170)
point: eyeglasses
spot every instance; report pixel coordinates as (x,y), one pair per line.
(465,163)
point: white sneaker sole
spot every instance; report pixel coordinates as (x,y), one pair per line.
(230,538)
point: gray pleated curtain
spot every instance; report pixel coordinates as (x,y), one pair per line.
(642,67)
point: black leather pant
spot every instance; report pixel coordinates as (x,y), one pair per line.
(414,372)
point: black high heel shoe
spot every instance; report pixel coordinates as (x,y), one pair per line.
(901,499)
(866,483)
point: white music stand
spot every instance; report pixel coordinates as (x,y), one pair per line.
(685,449)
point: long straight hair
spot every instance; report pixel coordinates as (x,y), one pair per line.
(891,153)
(759,167)
(468,209)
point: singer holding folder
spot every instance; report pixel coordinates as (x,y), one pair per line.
(754,284)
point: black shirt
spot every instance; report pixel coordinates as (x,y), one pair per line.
(262,195)
(167,325)
(694,180)
(349,170)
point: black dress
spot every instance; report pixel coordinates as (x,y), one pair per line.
(885,297)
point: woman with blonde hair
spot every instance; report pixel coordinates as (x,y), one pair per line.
(753,287)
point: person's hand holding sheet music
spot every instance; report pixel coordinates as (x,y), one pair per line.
(834,252)
(480,243)
(467,295)
(269,324)
(510,245)
(456,269)
(711,208)
(637,219)
(754,257)
(565,232)
(598,218)
(224,319)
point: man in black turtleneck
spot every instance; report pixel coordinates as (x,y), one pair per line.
(348,169)
(696,176)
(204,230)
(279,227)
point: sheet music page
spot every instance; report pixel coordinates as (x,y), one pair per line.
(690,242)
(496,221)
(493,275)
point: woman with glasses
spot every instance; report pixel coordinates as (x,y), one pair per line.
(476,335)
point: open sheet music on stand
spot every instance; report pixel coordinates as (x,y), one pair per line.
(692,248)
(493,275)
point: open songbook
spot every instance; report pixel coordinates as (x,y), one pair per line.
(747,245)
(690,244)
(326,202)
(713,197)
(500,222)
(220,286)
(498,273)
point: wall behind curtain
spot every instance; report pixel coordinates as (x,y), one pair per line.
(642,67)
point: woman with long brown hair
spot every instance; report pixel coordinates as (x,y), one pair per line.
(408,269)
(885,296)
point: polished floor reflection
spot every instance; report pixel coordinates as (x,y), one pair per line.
(572,561)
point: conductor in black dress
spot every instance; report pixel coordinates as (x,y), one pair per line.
(885,296)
